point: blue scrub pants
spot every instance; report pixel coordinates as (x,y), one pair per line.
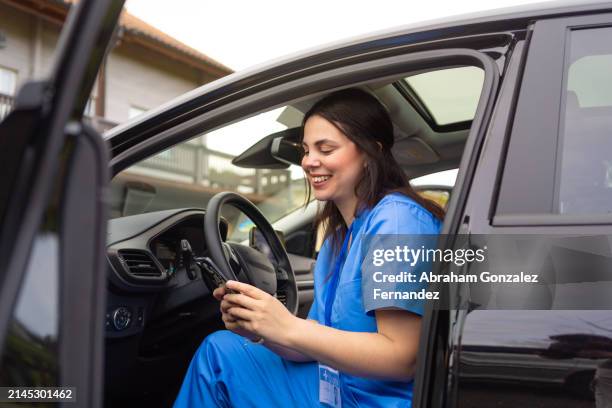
(228,370)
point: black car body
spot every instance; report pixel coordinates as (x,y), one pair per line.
(511,180)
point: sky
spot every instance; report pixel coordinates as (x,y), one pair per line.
(248,33)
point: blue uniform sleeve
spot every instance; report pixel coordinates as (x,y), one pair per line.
(314,312)
(396,238)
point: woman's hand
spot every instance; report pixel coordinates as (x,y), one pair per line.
(257,312)
(229,320)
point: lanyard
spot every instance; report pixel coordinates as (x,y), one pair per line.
(335,278)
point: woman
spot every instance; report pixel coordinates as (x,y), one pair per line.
(344,354)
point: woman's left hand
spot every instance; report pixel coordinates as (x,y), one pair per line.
(259,312)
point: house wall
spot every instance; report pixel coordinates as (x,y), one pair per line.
(49,37)
(135,76)
(17,28)
(30,43)
(138,77)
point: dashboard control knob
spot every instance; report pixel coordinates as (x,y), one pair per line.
(121,318)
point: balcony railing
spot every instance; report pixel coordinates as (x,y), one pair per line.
(212,168)
(101,124)
(6,104)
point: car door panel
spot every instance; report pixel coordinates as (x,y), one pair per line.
(54,197)
(429,379)
(83,262)
(502,358)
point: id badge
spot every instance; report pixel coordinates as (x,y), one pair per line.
(329,387)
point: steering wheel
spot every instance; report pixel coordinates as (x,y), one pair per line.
(240,262)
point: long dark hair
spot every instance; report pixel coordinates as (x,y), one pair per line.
(366,122)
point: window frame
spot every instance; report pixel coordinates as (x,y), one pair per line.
(534,138)
(45,142)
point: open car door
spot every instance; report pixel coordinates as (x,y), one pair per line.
(53,221)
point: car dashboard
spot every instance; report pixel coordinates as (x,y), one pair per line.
(156,313)
(146,275)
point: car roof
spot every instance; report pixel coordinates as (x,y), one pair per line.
(502,16)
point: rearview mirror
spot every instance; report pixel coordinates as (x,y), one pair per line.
(276,151)
(286,151)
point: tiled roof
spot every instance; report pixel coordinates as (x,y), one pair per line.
(136,26)
(148,35)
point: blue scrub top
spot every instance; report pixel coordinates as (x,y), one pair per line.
(395,214)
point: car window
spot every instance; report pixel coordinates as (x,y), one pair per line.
(559,157)
(30,355)
(436,186)
(450,95)
(585,160)
(190,173)
(441,178)
(438,196)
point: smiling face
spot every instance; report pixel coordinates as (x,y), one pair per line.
(332,162)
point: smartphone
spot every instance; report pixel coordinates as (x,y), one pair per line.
(211,275)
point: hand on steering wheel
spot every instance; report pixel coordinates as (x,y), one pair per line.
(234,259)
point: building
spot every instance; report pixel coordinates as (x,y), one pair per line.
(142,55)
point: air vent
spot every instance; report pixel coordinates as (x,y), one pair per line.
(139,263)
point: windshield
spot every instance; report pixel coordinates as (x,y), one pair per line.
(190,173)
